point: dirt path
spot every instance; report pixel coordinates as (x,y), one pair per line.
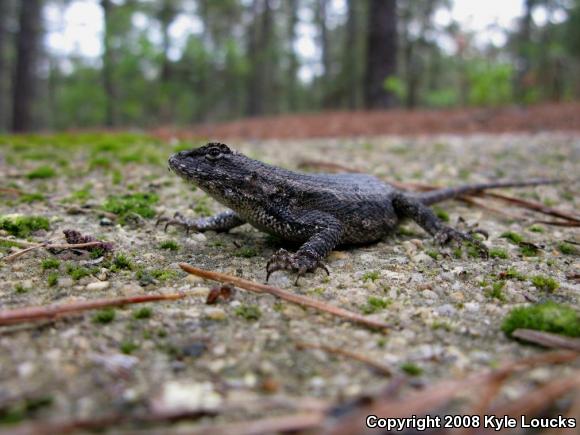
(545,117)
(445,307)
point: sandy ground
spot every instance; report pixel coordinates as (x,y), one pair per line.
(445,317)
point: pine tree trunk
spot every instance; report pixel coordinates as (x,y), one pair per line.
(381,53)
(4,64)
(524,42)
(351,59)
(292,77)
(108,79)
(259,47)
(27,50)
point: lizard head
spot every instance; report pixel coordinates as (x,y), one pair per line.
(224,174)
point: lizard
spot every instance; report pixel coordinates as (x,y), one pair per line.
(318,211)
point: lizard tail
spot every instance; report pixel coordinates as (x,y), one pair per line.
(439,195)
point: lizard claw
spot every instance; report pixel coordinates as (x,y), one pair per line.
(301,264)
(448,235)
(178,219)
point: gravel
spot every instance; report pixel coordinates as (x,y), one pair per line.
(188,354)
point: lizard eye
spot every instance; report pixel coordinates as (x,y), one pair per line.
(213,154)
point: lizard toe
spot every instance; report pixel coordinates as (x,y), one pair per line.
(301,264)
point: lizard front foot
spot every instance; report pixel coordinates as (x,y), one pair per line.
(299,263)
(178,219)
(448,235)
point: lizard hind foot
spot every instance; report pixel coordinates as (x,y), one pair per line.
(299,263)
(450,235)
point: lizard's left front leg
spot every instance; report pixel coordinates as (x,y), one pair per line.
(325,233)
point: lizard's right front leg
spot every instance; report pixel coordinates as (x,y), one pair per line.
(325,232)
(220,222)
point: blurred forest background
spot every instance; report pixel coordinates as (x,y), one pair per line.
(245,58)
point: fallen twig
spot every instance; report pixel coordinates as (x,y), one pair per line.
(539,399)
(439,394)
(472,201)
(99,423)
(292,423)
(547,339)
(381,368)
(10,191)
(557,223)
(283,294)
(53,246)
(19,243)
(536,206)
(28,314)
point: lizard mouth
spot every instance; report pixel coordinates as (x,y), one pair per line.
(184,168)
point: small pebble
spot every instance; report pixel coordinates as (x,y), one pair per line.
(429,294)
(99,285)
(65,282)
(199,291)
(106,222)
(215,313)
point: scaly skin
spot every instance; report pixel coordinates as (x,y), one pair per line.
(319,211)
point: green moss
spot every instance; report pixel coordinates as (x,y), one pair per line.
(441,324)
(97,252)
(128,347)
(202,208)
(528,250)
(7,244)
(411,369)
(405,231)
(567,248)
(52,279)
(77,272)
(375,304)
(22,226)
(137,203)
(100,162)
(31,197)
(19,288)
(496,291)
(248,312)
(104,316)
(371,276)
(441,214)
(121,262)
(549,317)
(13,413)
(433,254)
(42,172)
(163,274)
(170,245)
(143,313)
(246,252)
(81,195)
(50,263)
(317,291)
(116,177)
(512,273)
(545,283)
(536,229)
(513,237)
(498,253)
(473,251)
